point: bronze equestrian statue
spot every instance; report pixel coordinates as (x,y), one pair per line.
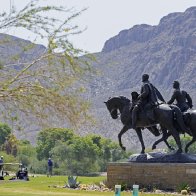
(148,111)
(163,115)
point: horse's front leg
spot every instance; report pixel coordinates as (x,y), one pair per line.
(176,136)
(139,134)
(124,129)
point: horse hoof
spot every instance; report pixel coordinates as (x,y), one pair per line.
(179,151)
(123,148)
(154,147)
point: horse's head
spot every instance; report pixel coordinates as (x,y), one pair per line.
(112,108)
(116,103)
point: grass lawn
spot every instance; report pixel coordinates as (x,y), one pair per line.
(42,185)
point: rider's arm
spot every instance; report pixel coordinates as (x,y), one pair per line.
(172,98)
(160,97)
(189,100)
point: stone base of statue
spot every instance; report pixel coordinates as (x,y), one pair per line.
(160,170)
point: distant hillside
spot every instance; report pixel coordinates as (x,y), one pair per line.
(13,49)
(166,52)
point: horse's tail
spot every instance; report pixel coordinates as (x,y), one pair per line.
(178,117)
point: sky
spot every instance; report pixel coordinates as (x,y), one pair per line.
(105,18)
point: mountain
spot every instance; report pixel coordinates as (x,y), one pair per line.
(13,48)
(165,51)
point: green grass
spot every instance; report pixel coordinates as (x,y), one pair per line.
(43,186)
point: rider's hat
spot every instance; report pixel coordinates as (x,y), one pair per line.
(176,84)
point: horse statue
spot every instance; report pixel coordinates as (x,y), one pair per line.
(164,115)
(189,118)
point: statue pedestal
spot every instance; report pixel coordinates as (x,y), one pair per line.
(167,175)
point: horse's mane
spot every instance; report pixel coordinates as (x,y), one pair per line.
(122,98)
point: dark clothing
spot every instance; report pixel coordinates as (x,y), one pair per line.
(50,166)
(181,97)
(148,98)
(22,174)
(1,164)
(150,95)
(50,163)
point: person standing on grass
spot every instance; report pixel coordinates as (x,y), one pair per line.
(50,167)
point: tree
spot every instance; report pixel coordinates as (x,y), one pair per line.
(77,158)
(11,145)
(26,152)
(47,139)
(51,82)
(5,131)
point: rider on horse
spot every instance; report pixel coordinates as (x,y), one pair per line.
(180,96)
(148,98)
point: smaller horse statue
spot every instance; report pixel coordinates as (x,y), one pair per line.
(164,116)
(189,118)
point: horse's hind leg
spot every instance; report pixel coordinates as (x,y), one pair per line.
(139,134)
(191,142)
(167,144)
(164,138)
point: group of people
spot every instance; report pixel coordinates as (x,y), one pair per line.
(150,97)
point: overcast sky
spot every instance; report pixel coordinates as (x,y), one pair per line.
(106,18)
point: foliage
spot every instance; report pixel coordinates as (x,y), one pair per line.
(75,155)
(9,159)
(184,140)
(49,83)
(11,145)
(77,158)
(5,130)
(37,167)
(72,154)
(184,186)
(47,139)
(108,151)
(26,152)
(72,182)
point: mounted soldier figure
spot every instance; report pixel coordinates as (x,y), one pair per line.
(183,99)
(147,100)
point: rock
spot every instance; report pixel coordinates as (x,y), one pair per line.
(160,157)
(184,192)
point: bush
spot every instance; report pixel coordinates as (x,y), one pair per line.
(182,187)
